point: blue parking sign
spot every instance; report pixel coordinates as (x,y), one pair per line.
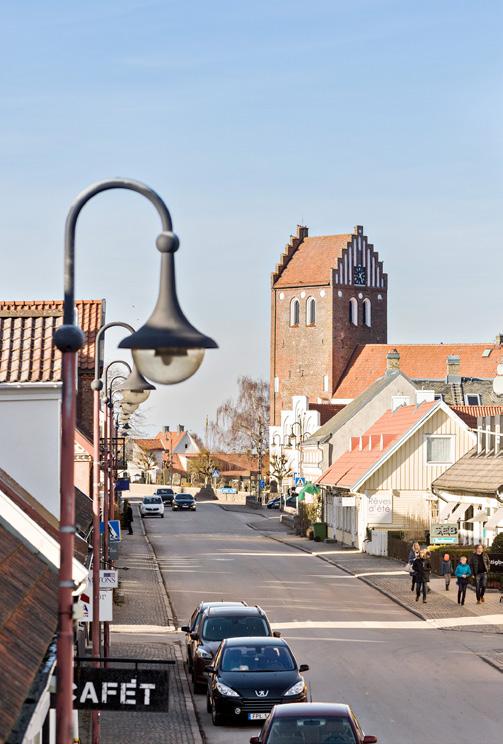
(114,530)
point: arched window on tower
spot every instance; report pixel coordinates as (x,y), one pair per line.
(353,311)
(294,312)
(310,311)
(367,312)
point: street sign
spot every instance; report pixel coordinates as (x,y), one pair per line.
(114,530)
(261,483)
(298,481)
(216,473)
(443,534)
(106,605)
(228,490)
(138,690)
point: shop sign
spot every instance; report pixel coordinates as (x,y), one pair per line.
(380,508)
(132,690)
(444,534)
(496,560)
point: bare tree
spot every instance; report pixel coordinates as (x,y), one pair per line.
(146,462)
(242,425)
(201,467)
(280,468)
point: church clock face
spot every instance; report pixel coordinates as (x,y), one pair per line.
(359,275)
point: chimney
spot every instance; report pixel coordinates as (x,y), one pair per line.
(392,361)
(499,339)
(453,369)
(165,429)
(180,428)
(301,232)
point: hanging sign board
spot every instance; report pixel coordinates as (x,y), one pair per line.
(443,534)
(133,690)
(106,605)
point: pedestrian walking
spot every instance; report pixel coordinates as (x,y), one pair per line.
(422,568)
(413,554)
(480,565)
(128,518)
(462,573)
(446,570)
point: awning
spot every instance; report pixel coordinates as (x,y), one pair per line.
(459,512)
(480,516)
(496,518)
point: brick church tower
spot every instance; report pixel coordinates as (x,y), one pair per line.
(329,294)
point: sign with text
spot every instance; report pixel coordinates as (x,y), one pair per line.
(227,489)
(106,605)
(496,561)
(380,508)
(443,534)
(138,690)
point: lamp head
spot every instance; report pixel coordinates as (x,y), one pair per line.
(167,348)
(135,389)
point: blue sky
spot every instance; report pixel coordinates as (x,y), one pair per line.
(249,118)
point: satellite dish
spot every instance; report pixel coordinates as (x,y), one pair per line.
(498,385)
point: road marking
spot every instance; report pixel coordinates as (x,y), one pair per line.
(433,624)
(342,640)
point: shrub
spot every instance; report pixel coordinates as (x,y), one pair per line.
(497,546)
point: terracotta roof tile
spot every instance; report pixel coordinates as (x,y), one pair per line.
(417,361)
(27,353)
(28,619)
(313,260)
(392,426)
(469,414)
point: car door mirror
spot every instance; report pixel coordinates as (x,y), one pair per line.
(369,739)
(194,636)
(254,740)
(185,628)
(304,668)
(276,634)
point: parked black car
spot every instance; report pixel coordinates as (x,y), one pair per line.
(184,501)
(274,503)
(249,676)
(167,495)
(217,623)
(194,621)
(306,722)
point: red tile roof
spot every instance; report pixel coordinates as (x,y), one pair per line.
(379,439)
(28,619)
(469,414)
(417,361)
(313,261)
(162,441)
(27,353)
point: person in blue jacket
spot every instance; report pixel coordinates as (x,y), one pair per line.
(462,574)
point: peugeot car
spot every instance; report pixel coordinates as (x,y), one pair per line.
(217,623)
(184,501)
(249,676)
(303,723)
(194,621)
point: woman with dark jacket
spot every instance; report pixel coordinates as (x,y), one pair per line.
(422,569)
(413,554)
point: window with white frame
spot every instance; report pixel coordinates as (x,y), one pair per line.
(353,311)
(367,312)
(325,383)
(310,311)
(472,399)
(294,312)
(439,449)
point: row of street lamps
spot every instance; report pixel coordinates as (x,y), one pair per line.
(167,349)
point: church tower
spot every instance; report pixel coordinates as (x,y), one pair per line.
(328,297)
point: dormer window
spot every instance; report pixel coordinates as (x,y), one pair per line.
(310,311)
(294,312)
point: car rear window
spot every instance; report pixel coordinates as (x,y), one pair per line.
(218,628)
(152,500)
(257,658)
(313,730)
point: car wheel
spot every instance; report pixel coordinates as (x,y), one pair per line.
(162,516)
(197,687)
(217,718)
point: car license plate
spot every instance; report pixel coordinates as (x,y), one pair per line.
(257,716)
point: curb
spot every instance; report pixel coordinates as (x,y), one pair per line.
(257,513)
(195,723)
(364,580)
(495,664)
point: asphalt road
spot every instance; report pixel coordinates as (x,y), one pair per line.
(407,682)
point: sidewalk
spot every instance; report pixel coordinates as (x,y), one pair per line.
(143,628)
(387,576)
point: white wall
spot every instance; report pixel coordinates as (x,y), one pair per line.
(30,438)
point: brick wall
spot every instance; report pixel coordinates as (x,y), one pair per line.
(85,404)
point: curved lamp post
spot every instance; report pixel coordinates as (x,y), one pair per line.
(166,342)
